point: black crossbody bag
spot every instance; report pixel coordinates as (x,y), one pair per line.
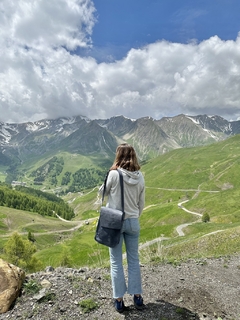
(110,221)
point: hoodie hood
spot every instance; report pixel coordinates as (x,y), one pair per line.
(131,177)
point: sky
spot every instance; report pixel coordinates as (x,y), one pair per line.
(102,58)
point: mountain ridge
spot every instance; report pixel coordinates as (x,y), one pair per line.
(28,143)
(214,127)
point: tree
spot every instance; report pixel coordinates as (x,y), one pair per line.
(20,253)
(205,217)
(31,236)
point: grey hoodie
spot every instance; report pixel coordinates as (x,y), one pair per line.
(134,192)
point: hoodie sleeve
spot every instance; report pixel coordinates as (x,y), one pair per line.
(100,190)
(108,186)
(112,181)
(142,199)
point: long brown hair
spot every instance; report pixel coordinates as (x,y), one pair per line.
(126,158)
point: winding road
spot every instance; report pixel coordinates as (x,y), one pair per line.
(179,229)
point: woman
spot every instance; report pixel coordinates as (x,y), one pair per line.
(134,197)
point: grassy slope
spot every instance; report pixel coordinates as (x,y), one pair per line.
(211,168)
(170,179)
(12,220)
(23,221)
(85,203)
(72,163)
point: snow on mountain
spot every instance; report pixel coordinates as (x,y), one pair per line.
(6,132)
(193,120)
(181,131)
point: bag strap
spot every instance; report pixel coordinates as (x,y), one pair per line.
(121,185)
(104,186)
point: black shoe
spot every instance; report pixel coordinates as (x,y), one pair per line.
(138,302)
(119,305)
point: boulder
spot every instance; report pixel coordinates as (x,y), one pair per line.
(11,280)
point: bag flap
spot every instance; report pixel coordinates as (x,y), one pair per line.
(111,218)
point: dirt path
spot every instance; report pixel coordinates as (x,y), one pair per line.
(180,228)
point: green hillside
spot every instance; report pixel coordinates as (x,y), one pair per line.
(29,199)
(46,230)
(211,167)
(60,172)
(208,178)
(204,179)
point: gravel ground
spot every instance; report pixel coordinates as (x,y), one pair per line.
(205,290)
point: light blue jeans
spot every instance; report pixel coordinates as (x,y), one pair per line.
(130,235)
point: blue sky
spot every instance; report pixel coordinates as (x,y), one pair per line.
(123,25)
(101,58)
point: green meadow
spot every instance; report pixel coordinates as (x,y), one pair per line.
(206,179)
(71,163)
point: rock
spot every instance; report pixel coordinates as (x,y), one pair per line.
(11,280)
(49,269)
(46,284)
(40,295)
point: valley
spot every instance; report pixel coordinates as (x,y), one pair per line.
(181,186)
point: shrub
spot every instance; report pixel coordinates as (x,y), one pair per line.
(31,237)
(32,287)
(88,305)
(205,217)
(20,253)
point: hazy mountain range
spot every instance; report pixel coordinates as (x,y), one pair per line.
(98,139)
(80,134)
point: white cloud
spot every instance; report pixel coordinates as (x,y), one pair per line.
(40,23)
(166,78)
(41,77)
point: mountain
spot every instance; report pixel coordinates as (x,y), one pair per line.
(195,131)
(36,138)
(25,147)
(88,139)
(152,137)
(147,137)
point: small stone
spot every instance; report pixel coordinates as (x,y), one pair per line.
(40,295)
(46,284)
(49,269)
